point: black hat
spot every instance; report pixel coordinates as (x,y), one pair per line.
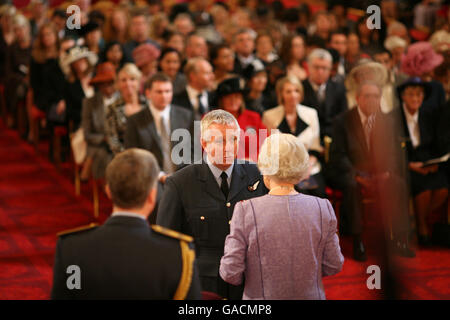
(88,27)
(229,86)
(414,82)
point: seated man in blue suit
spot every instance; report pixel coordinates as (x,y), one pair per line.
(199,199)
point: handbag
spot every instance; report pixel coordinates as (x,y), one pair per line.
(79,146)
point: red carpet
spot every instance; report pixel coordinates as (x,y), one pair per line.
(37,201)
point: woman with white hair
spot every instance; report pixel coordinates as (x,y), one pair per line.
(282,243)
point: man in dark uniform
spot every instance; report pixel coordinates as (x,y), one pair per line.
(199,199)
(125,258)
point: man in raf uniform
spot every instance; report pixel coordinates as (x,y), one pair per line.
(125,258)
(199,199)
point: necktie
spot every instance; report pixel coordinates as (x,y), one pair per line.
(201,107)
(321,93)
(168,165)
(368,126)
(224,184)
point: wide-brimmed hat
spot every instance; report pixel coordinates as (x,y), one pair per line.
(420,59)
(414,82)
(74,54)
(105,72)
(366,70)
(145,53)
(229,86)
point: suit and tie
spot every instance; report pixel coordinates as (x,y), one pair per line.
(194,203)
(355,151)
(199,105)
(329,101)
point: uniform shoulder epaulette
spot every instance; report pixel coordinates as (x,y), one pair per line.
(90,226)
(172,233)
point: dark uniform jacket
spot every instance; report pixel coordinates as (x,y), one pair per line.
(193,203)
(126,259)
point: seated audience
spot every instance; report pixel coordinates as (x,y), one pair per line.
(284,242)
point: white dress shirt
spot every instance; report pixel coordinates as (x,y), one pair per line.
(413,126)
(127,214)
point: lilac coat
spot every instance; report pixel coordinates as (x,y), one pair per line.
(282,246)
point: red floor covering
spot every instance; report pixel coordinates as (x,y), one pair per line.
(37,201)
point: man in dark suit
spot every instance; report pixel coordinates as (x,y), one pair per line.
(320,92)
(125,258)
(195,96)
(199,199)
(366,162)
(245,61)
(151,129)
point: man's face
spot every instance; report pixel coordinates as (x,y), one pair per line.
(319,70)
(160,94)
(107,88)
(197,47)
(220,142)
(139,28)
(369,99)
(244,44)
(202,77)
(384,59)
(339,43)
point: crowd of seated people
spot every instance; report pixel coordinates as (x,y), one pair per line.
(315,71)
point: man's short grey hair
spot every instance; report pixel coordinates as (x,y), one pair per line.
(219,117)
(283,157)
(320,53)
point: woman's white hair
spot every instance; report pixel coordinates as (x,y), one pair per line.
(283,157)
(217,116)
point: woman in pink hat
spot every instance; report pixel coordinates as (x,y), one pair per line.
(420,61)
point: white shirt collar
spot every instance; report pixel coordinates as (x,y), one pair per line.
(127,214)
(409,116)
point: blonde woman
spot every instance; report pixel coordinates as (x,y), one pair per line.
(129,103)
(284,242)
(302,121)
